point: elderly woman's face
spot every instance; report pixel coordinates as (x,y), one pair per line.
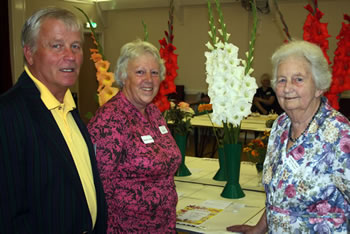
(142,82)
(295,88)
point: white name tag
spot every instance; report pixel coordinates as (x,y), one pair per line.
(163,129)
(147,139)
(292,164)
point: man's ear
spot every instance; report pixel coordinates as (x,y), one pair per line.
(28,54)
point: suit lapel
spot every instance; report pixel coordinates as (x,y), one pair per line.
(47,127)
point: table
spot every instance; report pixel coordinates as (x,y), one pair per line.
(204,169)
(200,187)
(251,123)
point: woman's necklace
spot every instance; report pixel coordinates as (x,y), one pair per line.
(305,130)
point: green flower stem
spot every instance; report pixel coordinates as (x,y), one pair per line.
(253,37)
(214,129)
(221,21)
(212,24)
(231,133)
(170,22)
(99,47)
(145,31)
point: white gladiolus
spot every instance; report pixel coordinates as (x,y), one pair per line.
(231,91)
(209,46)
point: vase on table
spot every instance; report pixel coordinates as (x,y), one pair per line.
(181,141)
(232,188)
(221,173)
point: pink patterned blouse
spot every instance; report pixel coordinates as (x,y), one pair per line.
(137,160)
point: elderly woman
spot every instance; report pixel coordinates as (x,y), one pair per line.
(307,167)
(136,154)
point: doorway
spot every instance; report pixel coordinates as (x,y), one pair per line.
(87,98)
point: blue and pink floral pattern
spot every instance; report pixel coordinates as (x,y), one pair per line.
(138,178)
(308,186)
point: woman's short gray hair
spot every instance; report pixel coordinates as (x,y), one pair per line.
(132,50)
(32,26)
(312,53)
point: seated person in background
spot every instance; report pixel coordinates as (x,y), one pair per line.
(204,98)
(265,98)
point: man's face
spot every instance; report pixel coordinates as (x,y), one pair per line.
(57,60)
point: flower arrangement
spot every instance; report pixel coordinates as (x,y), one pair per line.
(180,116)
(205,108)
(167,86)
(231,88)
(255,150)
(105,79)
(317,32)
(341,64)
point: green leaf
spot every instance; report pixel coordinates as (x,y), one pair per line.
(145,38)
(99,47)
(89,115)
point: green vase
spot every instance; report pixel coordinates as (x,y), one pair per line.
(181,142)
(232,188)
(221,173)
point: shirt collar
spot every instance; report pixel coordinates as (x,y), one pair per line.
(48,98)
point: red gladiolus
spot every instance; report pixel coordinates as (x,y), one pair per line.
(161,102)
(166,51)
(315,31)
(167,87)
(341,65)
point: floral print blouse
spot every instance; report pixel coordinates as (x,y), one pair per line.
(137,159)
(308,186)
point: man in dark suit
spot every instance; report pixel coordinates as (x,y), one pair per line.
(48,176)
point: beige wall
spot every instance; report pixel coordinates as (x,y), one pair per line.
(191,33)
(190,36)
(190,30)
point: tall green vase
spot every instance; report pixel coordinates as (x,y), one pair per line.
(232,188)
(181,142)
(221,173)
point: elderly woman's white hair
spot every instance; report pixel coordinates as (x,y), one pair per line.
(132,50)
(312,53)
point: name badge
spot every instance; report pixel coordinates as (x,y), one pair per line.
(292,164)
(163,129)
(147,139)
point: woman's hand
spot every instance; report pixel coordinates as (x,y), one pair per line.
(243,229)
(261,227)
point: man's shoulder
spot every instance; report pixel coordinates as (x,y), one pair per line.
(10,97)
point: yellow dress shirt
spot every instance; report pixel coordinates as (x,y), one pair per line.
(74,139)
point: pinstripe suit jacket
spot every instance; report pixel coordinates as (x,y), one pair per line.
(41,190)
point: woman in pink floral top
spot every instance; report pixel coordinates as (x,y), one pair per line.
(136,154)
(307,166)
